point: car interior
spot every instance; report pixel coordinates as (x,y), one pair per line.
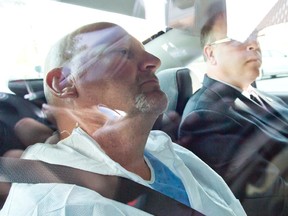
(177,45)
(175,82)
(26,95)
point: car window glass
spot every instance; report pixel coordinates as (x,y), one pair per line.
(29,29)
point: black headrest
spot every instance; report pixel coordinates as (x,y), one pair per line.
(177,84)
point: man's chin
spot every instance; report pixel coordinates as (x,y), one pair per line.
(160,102)
(155,101)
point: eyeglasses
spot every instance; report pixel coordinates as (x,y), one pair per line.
(227,39)
(224,40)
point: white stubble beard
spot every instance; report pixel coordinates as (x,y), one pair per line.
(144,105)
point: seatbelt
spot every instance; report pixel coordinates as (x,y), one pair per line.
(14,170)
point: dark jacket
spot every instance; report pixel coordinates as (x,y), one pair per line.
(243,142)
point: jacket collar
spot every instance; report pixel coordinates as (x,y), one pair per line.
(242,104)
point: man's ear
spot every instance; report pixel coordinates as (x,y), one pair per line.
(60,85)
(209,54)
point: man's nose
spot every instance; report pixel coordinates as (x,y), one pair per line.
(150,62)
(252,43)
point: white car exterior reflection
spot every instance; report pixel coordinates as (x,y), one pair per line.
(274,63)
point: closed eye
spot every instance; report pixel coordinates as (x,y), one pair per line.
(121,52)
(125,52)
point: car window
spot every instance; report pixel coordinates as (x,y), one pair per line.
(274,70)
(168,29)
(30,30)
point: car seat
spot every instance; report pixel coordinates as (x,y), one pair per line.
(177,84)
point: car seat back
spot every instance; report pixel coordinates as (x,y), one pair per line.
(177,84)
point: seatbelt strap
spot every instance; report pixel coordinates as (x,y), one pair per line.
(14,170)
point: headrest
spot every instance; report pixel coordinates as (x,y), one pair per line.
(177,84)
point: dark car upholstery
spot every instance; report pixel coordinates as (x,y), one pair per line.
(8,139)
(12,109)
(177,84)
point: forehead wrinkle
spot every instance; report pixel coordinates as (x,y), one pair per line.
(89,55)
(89,45)
(122,42)
(95,38)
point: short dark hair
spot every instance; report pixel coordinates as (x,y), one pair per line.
(206,34)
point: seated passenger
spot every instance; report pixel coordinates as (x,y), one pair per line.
(102,90)
(8,139)
(30,131)
(240,139)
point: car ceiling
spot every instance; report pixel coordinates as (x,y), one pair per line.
(181,14)
(127,7)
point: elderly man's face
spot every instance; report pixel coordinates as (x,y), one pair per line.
(238,63)
(117,72)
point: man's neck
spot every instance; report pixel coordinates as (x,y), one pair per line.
(124,142)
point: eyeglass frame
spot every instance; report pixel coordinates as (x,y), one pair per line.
(227,39)
(223,40)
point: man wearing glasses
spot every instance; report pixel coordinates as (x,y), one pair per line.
(240,132)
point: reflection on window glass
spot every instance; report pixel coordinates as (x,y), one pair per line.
(30,30)
(274,70)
